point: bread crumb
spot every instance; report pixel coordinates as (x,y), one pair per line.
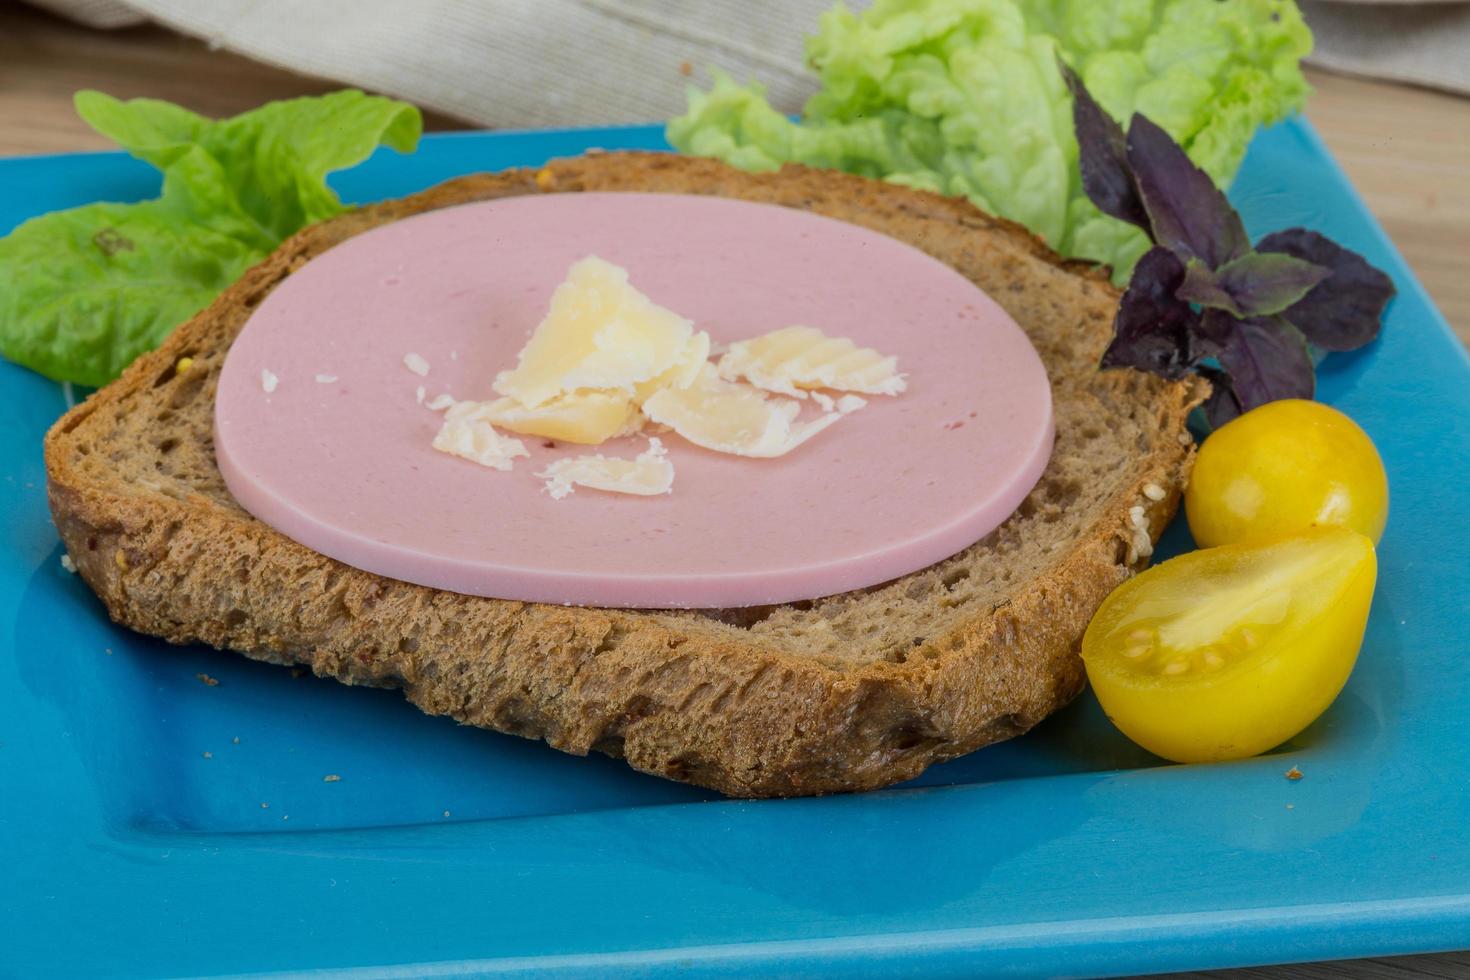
(686,69)
(1293,774)
(1291,806)
(235,740)
(268,381)
(209,755)
(1153,491)
(416,364)
(285,816)
(298,672)
(107,650)
(206,679)
(326,379)
(68,564)
(545,179)
(446,813)
(333,778)
(184,364)
(1185,439)
(265,806)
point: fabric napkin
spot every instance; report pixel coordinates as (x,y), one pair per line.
(520,63)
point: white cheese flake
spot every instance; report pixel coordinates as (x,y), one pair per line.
(466,433)
(587,417)
(440,402)
(268,381)
(326,379)
(793,360)
(416,364)
(650,474)
(68,564)
(419,393)
(730,417)
(1153,491)
(599,333)
(848,404)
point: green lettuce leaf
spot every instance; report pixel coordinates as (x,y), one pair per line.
(91,288)
(965,97)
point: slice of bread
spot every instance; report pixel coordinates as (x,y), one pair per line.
(849,692)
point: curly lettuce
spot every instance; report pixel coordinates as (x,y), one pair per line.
(89,289)
(965,97)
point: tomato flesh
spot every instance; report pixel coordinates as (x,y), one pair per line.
(1227,652)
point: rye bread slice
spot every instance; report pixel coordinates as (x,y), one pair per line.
(850,692)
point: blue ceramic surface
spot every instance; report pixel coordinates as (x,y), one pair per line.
(449,851)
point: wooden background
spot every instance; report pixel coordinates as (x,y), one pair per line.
(1406,149)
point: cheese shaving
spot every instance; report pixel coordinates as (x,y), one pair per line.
(600,333)
(650,474)
(416,364)
(736,418)
(588,417)
(793,360)
(468,434)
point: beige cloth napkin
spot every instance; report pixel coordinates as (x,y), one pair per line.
(514,63)
(1423,43)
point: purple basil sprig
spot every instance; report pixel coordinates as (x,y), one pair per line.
(1203,299)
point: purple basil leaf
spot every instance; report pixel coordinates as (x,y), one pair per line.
(1186,211)
(1153,328)
(1345,311)
(1103,152)
(1222,405)
(1256,284)
(1267,359)
(1211,334)
(1201,285)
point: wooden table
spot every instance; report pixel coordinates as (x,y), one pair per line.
(1407,150)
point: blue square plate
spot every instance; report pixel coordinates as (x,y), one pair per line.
(153,825)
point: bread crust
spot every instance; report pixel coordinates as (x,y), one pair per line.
(828,696)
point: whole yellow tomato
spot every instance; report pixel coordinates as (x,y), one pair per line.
(1227,652)
(1283,467)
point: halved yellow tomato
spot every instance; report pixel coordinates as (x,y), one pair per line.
(1283,467)
(1227,652)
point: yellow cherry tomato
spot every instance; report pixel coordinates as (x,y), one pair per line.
(1286,466)
(1227,652)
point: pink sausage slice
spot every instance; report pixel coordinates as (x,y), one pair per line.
(345,466)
